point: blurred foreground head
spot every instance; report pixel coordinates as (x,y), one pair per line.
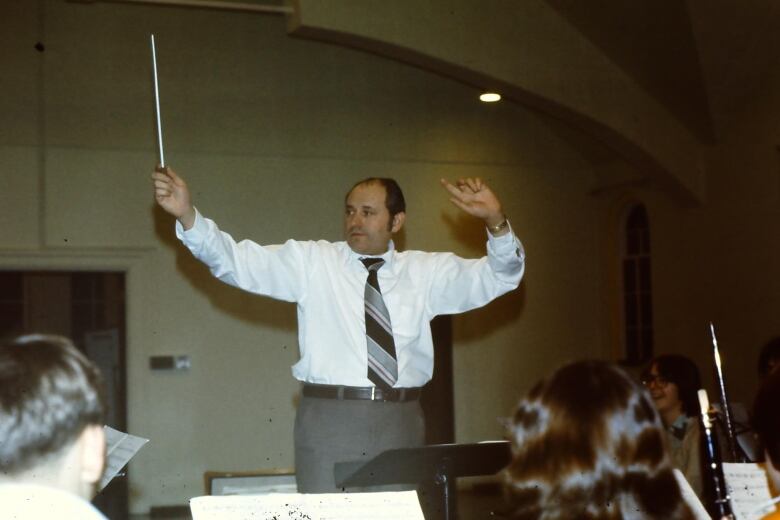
(51,415)
(588,443)
(766,423)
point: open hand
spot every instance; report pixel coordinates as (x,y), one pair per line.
(474,197)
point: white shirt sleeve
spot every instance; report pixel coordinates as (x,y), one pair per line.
(458,284)
(278,271)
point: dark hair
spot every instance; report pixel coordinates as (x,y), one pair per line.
(769,353)
(394,197)
(588,443)
(49,392)
(766,419)
(682,372)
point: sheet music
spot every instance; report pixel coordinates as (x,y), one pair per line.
(748,487)
(120,448)
(392,505)
(689,495)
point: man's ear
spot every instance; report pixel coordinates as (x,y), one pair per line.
(398,222)
(93,453)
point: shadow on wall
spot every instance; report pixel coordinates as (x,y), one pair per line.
(481,323)
(469,231)
(238,304)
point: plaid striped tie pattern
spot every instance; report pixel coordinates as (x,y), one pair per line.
(382,363)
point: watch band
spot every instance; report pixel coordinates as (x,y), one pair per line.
(498,227)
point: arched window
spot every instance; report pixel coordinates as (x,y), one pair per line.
(637,297)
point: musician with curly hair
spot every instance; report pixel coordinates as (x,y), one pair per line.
(588,443)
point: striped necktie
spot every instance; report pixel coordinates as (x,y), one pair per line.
(382,364)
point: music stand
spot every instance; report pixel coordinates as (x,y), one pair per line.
(436,467)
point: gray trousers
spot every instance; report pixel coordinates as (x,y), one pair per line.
(328,431)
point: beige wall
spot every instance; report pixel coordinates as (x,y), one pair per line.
(269,131)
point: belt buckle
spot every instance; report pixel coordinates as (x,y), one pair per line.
(373,393)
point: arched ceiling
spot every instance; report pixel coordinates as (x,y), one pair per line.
(655,80)
(654,44)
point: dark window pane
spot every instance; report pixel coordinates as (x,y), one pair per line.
(637,300)
(114,286)
(98,291)
(629,276)
(644,274)
(637,219)
(645,248)
(82,320)
(647,310)
(631,310)
(11,319)
(632,243)
(10,286)
(81,286)
(647,343)
(632,344)
(99,318)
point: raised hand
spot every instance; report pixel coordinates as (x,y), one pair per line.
(474,197)
(173,195)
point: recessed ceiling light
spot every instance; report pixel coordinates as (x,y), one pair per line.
(489,97)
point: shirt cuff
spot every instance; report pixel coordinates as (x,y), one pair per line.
(507,245)
(196,233)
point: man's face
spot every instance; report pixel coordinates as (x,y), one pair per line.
(367,224)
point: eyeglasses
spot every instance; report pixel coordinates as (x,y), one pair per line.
(660,381)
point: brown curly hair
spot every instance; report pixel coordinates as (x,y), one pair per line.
(588,444)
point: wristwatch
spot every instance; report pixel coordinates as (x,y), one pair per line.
(498,227)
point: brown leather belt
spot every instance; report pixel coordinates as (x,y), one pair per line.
(370,393)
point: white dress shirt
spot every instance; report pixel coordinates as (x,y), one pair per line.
(327,281)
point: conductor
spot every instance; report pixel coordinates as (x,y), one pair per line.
(363,311)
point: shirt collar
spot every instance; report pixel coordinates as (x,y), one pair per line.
(679,426)
(387,256)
